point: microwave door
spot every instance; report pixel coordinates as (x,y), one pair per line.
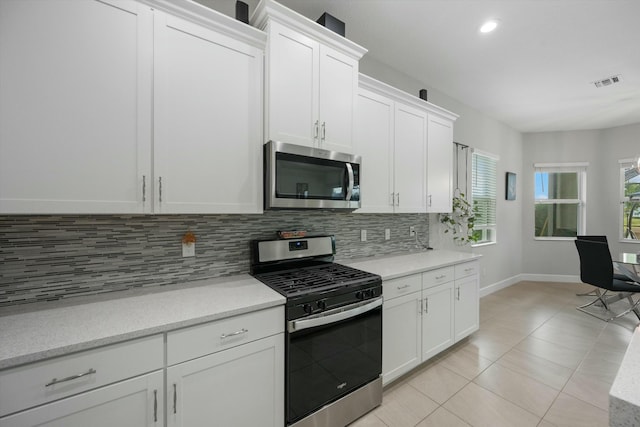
(349,182)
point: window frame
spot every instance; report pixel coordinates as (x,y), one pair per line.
(581,169)
(624,164)
(489,228)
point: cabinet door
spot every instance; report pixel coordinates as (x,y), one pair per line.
(75,107)
(400,336)
(437,319)
(338,89)
(439,164)
(292,88)
(410,158)
(207,141)
(242,386)
(373,140)
(466,307)
(131,403)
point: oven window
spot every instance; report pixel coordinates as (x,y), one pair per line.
(301,177)
(327,362)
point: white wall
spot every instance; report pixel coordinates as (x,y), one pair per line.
(601,149)
(502,262)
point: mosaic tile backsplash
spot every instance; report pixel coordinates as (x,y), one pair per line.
(51,257)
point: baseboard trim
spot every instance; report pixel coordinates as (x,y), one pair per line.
(494,287)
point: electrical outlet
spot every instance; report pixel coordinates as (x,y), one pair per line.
(188,250)
(363,235)
(412,231)
(387,234)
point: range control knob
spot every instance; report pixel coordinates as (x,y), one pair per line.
(321,304)
(307,308)
(359,295)
(366,293)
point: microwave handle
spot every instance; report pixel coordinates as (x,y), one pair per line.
(351,182)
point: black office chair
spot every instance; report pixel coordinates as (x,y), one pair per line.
(596,268)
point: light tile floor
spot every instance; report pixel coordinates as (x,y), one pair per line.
(536,361)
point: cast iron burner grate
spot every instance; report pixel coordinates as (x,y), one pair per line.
(320,278)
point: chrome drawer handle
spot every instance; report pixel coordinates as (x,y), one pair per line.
(468,269)
(403,287)
(233,334)
(72,377)
(441,277)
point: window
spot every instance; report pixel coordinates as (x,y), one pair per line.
(629,200)
(483,196)
(559,200)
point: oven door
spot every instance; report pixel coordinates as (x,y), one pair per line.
(331,354)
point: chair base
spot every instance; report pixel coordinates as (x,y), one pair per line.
(605,301)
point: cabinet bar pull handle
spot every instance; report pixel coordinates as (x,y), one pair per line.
(160,189)
(233,334)
(393,199)
(324,131)
(315,131)
(426,305)
(441,277)
(72,377)
(155,406)
(468,269)
(175,398)
(458,296)
(429,200)
(398,199)
(403,287)
(419,306)
(144,188)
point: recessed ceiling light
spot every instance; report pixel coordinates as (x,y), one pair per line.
(489,26)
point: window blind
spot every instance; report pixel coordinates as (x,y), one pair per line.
(483,189)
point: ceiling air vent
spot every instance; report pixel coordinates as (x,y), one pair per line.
(608,81)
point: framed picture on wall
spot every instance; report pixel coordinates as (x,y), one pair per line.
(510,193)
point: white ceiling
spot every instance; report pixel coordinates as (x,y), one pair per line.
(534,73)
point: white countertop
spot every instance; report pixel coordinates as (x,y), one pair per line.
(36,335)
(624,396)
(33,333)
(393,266)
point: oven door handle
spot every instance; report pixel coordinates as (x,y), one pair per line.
(333,316)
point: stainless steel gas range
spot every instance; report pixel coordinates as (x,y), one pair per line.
(333,333)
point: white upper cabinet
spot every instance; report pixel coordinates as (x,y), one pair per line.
(410,158)
(373,140)
(207,120)
(439,164)
(128,107)
(311,80)
(406,148)
(75,106)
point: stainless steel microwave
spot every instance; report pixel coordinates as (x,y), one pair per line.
(297,177)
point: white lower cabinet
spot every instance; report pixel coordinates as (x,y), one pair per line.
(401,326)
(424,314)
(229,372)
(120,384)
(242,386)
(467,294)
(132,403)
(437,322)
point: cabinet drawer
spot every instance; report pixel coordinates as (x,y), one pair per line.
(467,269)
(437,277)
(200,340)
(42,382)
(401,286)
